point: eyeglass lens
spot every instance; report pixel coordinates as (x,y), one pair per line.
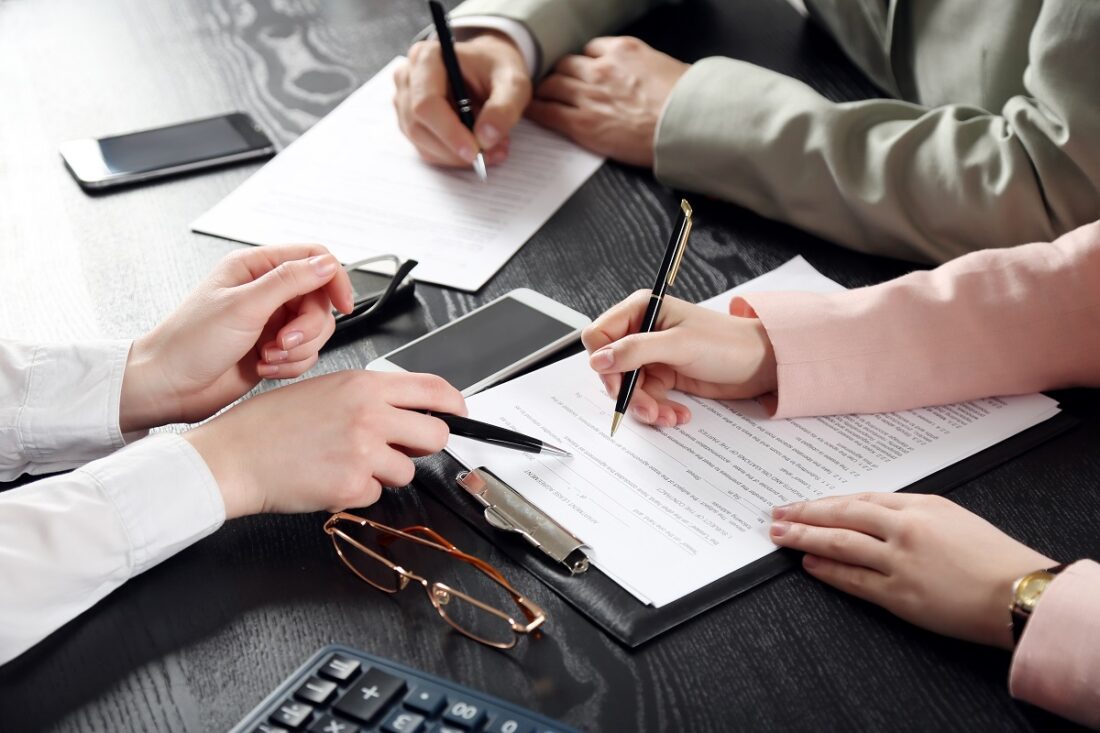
(462,593)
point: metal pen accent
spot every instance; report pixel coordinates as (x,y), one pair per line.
(454,73)
(666,275)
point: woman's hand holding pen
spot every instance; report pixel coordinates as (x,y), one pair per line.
(264,312)
(693,350)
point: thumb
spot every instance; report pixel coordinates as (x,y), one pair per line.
(509,94)
(291,279)
(636,351)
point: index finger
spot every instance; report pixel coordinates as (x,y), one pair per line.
(430,106)
(413,391)
(246,265)
(617,321)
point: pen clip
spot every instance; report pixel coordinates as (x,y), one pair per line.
(681,246)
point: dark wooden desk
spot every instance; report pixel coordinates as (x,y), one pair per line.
(196,642)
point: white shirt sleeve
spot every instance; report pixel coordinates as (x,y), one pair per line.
(515,30)
(67,541)
(59,404)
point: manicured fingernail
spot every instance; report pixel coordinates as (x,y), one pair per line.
(488,136)
(267,370)
(811,561)
(603,359)
(780,528)
(274,356)
(639,413)
(323,265)
(292,339)
(778,512)
(466,153)
(664,422)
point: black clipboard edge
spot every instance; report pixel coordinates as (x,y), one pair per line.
(632,623)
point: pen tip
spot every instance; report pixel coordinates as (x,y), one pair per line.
(479,167)
(555,451)
(615,420)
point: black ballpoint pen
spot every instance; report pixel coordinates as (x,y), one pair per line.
(454,73)
(486,433)
(666,275)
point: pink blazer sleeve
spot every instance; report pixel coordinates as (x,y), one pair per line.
(1057,662)
(992,323)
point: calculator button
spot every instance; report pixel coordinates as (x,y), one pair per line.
(426,700)
(339,668)
(329,724)
(371,693)
(292,714)
(464,714)
(316,690)
(269,728)
(400,721)
(506,724)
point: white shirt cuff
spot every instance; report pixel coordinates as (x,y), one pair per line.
(165,496)
(69,413)
(515,30)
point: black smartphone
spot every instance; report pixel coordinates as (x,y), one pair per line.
(140,156)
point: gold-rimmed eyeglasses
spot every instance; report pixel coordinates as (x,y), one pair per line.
(476,600)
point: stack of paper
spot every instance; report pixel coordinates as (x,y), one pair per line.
(667,511)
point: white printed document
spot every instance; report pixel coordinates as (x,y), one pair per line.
(355,184)
(665,511)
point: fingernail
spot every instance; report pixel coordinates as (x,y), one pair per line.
(267,370)
(466,153)
(496,157)
(811,561)
(292,339)
(664,422)
(639,413)
(323,265)
(603,359)
(274,356)
(780,528)
(778,512)
(489,136)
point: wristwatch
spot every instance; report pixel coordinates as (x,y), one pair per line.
(1026,592)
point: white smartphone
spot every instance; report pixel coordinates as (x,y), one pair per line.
(164,151)
(490,343)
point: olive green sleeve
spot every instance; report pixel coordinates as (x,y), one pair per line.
(897,178)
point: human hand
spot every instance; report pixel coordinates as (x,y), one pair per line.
(610,99)
(923,558)
(693,350)
(330,442)
(262,312)
(497,80)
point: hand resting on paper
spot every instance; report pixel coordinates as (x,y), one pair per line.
(693,350)
(923,558)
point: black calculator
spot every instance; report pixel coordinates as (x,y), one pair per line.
(341,690)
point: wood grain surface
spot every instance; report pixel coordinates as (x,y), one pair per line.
(195,643)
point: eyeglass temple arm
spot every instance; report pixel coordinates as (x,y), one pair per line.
(480,565)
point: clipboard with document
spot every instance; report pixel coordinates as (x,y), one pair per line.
(654,526)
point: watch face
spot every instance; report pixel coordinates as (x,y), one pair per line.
(1030,588)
